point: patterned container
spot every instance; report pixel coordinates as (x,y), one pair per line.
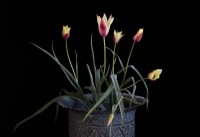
(95,124)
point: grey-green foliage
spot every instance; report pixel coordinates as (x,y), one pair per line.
(95,101)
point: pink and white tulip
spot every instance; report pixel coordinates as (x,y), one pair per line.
(117,36)
(104,24)
(138,35)
(66,32)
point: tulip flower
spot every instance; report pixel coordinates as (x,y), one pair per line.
(138,35)
(117,36)
(110,118)
(155,74)
(66,32)
(104,24)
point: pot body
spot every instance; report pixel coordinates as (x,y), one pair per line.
(95,124)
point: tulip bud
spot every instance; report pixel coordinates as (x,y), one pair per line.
(66,32)
(117,36)
(138,35)
(110,118)
(155,74)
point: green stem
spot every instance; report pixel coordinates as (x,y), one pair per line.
(93,57)
(117,104)
(141,80)
(104,70)
(135,83)
(113,71)
(113,66)
(70,60)
(110,131)
(128,62)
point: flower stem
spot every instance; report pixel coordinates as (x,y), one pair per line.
(113,66)
(140,80)
(117,104)
(135,83)
(70,60)
(113,71)
(104,65)
(125,72)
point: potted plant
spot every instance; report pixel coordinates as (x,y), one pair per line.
(108,108)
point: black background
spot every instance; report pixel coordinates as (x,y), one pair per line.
(28,78)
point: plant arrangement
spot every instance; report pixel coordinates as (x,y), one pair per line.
(106,92)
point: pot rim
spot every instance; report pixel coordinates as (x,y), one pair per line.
(141,99)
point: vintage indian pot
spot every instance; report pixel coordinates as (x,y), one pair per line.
(95,124)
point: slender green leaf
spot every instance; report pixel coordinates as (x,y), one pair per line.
(98,83)
(76,65)
(147,92)
(136,103)
(126,82)
(113,108)
(121,70)
(93,88)
(68,73)
(121,64)
(74,74)
(53,51)
(106,75)
(110,50)
(119,96)
(42,109)
(56,59)
(93,57)
(132,96)
(101,99)
(133,85)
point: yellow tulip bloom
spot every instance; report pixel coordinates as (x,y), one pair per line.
(66,32)
(155,74)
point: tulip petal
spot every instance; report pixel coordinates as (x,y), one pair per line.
(155,74)
(104,24)
(117,36)
(138,35)
(110,118)
(66,32)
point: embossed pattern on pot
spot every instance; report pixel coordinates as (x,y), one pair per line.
(95,125)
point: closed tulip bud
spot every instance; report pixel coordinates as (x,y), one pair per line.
(110,118)
(155,74)
(138,35)
(117,36)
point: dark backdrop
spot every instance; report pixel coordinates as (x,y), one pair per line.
(28,78)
